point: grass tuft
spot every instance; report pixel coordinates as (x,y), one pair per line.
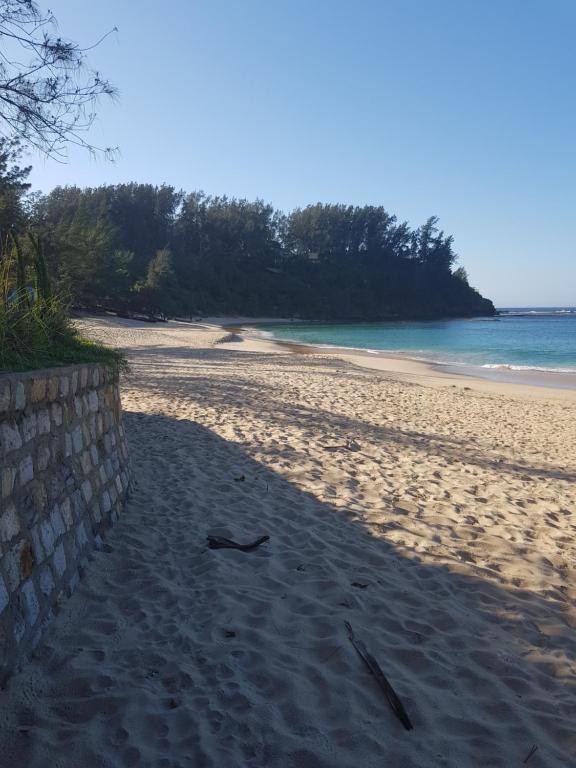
(35,326)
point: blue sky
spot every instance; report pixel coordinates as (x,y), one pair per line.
(465,109)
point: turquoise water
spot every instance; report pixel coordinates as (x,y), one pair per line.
(524,339)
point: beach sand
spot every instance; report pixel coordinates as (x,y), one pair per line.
(434,514)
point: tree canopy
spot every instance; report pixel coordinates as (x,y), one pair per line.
(155,249)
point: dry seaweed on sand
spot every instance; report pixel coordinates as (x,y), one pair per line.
(375,669)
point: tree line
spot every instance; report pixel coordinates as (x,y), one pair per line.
(153,249)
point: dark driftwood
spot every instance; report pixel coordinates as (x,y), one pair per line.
(218,542)
(374,667)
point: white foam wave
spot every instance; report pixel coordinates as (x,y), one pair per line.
(541,368)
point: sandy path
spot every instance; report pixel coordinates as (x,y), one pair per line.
(445,535)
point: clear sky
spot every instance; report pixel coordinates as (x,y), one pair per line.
(465,109)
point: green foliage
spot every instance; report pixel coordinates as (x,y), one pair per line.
(136,247)
(13,186)
(37,333)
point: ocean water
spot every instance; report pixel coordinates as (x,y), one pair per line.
(539,339)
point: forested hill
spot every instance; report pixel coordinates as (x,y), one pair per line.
(152,249)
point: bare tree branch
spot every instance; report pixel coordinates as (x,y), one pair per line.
(48,101)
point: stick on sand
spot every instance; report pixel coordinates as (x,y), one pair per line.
(218,542)
(374,667)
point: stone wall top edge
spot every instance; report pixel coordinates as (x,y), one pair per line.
(61,370)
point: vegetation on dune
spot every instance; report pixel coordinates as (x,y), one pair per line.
(35,326)
(35,329)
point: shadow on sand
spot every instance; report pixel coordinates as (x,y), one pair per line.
(172,655)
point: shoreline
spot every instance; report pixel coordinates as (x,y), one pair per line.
(506,381)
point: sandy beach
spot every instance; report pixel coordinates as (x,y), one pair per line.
(434,513)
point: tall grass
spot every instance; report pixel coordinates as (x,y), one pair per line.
(35,326)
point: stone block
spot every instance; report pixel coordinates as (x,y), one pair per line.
(8,477)
(67,414)
(93,404)
(57,522)
(96,512)
(18,625)
(106,502)
(43,422)
(59,560)
(26,470)
(94,455)
(102,473)
(47,536)
(52,388)
(11,566)
(43,458)
(86,462)
(74,382)
(66,512)
(81,536)
(67,445)
(78,406)
(68,476)
(57,415)
(77,439)
(40,496)
(87,491)
(18,396)
(46,581)
(29,603)
(38,390)
(5,396)
(83,377)
(95,376)
(4,597)
(37,547)
(9,524)
(78,504)
(64,386)
(29,427)
(73,581)
(10,437)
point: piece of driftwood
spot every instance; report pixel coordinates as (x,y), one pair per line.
(219,542)
(530,754)
(374,667)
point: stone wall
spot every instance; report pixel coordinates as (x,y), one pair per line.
(64,479)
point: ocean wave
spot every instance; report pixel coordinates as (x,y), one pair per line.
(541,312)
(541,368)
